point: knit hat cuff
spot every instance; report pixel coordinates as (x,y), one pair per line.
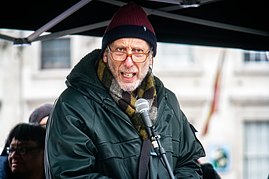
(130,31)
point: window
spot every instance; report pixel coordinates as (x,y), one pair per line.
(256,57)
(256,150)
(55,54)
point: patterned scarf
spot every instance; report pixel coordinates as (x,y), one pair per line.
(126,100)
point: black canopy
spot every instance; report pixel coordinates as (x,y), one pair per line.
(224,23)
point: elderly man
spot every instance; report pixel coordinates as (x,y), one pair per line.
(95,130)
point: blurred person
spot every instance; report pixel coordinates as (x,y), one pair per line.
(209,172)
(99,132)
(25,153)
(41,114)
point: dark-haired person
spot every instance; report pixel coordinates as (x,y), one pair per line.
(25,152)
(99,134)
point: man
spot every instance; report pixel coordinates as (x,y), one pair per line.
(95,131)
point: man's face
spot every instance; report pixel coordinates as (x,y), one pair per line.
(128,73)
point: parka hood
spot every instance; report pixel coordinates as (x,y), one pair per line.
(83,76)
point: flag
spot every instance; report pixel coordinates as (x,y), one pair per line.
(216,92)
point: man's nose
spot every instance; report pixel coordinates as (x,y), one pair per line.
(129,61)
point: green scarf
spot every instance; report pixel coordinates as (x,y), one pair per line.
(126,100)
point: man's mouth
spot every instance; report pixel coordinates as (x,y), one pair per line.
(128,75)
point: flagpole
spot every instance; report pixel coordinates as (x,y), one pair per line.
(216,92)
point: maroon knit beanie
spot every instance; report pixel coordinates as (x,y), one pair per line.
(130,21)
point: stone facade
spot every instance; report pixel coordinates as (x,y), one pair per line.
(243,90)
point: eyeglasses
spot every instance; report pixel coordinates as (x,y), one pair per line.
(20,150)
(138,57)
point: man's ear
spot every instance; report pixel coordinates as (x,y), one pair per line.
(151,61)
(105,58)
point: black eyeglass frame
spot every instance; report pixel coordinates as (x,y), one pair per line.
(20,150)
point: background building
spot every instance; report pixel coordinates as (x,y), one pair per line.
(225,91)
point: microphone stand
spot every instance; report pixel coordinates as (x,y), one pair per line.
(155,140)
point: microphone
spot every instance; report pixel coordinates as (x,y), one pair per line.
(142,107)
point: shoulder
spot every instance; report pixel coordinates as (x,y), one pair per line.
(4,169)
(70,99)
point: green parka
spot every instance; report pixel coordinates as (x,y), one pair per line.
(89,136)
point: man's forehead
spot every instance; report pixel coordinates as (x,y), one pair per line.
(130,42)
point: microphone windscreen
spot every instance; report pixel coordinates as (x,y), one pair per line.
(141,105)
